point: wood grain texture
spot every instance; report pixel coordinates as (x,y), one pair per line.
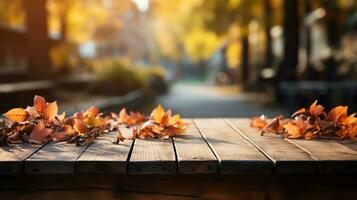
(102,156)
(152,156)
(12,157)
(235,153)
(54,158)
(352,144)
(288,158)
(332,156)
(193,153)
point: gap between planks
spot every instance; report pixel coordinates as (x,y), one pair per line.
(235,154)
(287,157)
(102,156)
(193,154)
(60,158)
(331,156)
(12,157)
(152,156)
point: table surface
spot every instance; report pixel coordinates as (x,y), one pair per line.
(209,146)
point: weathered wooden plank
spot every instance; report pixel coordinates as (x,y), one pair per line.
(152,156)
(352,144)
(102,156)
(12,157)
(235,153)
(193,153)
(332,156)
(288,158)
(54,158)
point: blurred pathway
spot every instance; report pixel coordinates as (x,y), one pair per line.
(193,100)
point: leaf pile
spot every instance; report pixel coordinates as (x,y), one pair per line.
(312,122)
(41,123)
(131,118)
(161,124)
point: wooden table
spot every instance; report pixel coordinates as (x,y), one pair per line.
(214,159)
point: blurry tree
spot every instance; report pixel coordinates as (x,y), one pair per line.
(87,21)
(201,26)
(12,13)
(38,42)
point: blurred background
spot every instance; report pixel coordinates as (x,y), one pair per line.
(202,58)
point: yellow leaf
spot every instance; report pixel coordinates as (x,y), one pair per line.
(174,119)
(158,113)
(95,122)
(17,115)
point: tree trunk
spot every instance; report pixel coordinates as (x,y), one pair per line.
(291,41)
(333,29)
(308,33)
(63,26)
(38,43)
(267,20)
(245,60)
(63,19)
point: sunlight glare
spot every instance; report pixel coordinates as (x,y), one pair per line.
(143,5)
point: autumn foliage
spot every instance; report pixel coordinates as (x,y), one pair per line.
(162,124)
(41,123)
(312,122)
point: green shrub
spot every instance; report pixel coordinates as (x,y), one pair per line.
(120,76)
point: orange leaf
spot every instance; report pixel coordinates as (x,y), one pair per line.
(50,111)
(348,120)
(63,134)
(352,132)
(158,113)
(274,126)
(165,120)
(316,110)
(17,115)
(91,112)
(40,133)
(335,114)
(39,103)
(292,130)
(258,122)
(309,136)
(162,125)
(123,115)
(134,118)
(80,126)
(301,111)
